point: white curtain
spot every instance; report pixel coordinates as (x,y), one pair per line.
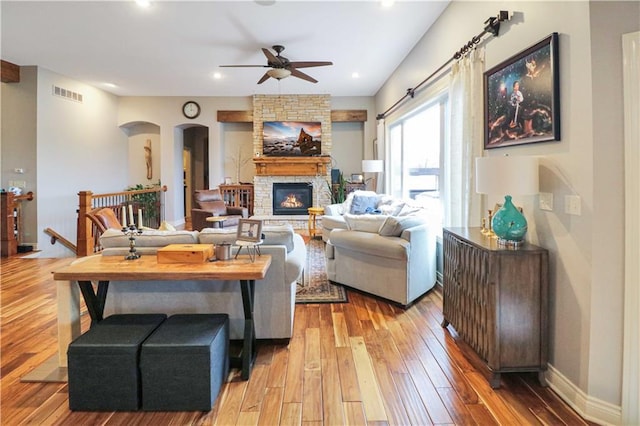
(462,205)
(379,154)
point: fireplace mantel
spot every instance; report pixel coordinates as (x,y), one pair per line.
(291,166)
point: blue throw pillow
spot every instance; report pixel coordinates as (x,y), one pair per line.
(361,203)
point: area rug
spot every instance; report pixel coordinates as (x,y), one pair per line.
(313,286)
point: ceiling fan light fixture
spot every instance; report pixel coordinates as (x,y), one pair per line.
(279,73)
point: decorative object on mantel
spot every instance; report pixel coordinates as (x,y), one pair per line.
(522,97)
(511,176)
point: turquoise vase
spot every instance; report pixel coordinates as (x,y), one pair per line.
(508,223)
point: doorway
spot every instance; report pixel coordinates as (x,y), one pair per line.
(195,163)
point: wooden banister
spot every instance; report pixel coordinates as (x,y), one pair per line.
(87,232)
(55,237)
(11,224)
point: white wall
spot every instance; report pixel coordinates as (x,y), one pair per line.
(586,251)
(79,147)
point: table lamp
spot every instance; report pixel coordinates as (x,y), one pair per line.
(510,176)
(373,166)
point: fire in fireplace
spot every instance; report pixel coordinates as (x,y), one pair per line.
(292,198)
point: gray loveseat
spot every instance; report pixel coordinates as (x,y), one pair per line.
(274,297)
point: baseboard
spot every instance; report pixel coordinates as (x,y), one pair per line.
(590,408)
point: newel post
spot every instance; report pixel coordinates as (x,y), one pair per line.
(84,241)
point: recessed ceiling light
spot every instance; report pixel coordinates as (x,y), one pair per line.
(387,3)
(110,85)
(143,3)
(217,75)
(355,75)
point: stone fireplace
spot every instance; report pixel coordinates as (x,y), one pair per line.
(292,198)
(315,176)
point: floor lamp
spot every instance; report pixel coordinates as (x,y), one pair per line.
(375,167)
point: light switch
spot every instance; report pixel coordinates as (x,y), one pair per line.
(546,201)
(573,205)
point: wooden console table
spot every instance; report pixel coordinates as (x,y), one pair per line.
(106,269)
(496,299)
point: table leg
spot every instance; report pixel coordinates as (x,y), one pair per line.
(94,301)
(249,342)
(68,317)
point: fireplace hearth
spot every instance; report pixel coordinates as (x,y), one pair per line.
(292,198)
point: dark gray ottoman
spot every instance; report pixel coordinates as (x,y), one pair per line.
(185,362)
(103,363)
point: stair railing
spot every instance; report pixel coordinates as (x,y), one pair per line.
(149,200)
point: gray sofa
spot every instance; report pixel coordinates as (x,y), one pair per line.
(274,295)
(388,255)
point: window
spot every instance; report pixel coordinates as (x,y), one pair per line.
(415,155)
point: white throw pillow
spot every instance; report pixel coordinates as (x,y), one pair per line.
(393,226)
(364,222)
(391,209)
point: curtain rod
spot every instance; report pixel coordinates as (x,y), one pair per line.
(492,26)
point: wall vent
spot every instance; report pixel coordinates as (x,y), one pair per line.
(67,94)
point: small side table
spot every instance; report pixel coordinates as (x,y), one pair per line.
(216,219)
(313,213)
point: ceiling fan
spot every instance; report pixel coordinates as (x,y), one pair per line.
(281,67)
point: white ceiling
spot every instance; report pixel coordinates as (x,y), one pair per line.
(173,48)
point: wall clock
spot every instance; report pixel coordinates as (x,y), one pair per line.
(191,109)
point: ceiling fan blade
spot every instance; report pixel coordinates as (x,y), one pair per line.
(273,59)
(264,78)
(308,64)
(300,74)
(243,66)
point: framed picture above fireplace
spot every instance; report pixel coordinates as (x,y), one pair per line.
(291,138)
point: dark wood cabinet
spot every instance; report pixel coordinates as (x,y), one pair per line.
(496,298)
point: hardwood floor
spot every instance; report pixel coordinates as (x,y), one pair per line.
(362,362)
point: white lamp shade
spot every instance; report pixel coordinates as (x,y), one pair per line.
(278,73)
(507,175)
(372,166)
